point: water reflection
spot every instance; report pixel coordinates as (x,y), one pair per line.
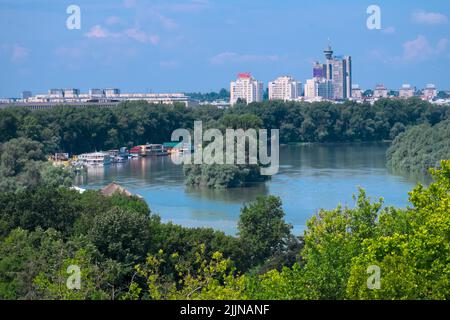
(310,177)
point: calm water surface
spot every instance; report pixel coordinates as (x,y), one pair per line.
(310,177)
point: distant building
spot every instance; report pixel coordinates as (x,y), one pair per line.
(319,88)
(339,72)
(56,93)
(430,92)
(380,91)
(71,93)
(319,70)
(357,93)
(246,88)
(112,93)
(96,93)
(26,95)
(407,91)
(95,97)
(285,88)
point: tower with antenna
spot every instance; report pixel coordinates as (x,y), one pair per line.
(328,51)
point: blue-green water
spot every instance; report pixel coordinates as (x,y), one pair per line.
(310,177)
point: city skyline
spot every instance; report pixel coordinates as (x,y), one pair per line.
(191,46)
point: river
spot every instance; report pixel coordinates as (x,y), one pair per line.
(310,177)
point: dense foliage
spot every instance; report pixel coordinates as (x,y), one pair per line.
(23,164)
(223,94)
(408,247)
(125,252)
(77,130)
(420,147)
(220,176)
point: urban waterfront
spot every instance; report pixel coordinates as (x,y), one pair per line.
(311,177)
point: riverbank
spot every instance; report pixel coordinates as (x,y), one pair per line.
(311,177)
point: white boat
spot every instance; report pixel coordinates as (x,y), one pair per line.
(95,159)
(119,159)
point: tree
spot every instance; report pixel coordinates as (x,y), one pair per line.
(213,278)
(262,228)
(121,235)
(410,247)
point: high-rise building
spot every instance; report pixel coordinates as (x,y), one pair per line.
(112,92)
(285,88)
(430,92)
(407,91)
(338,69)
(96,93)
(71,93)
(319,70)
(357,92)
(380,91)
(318,88)
(56,93)
(246,88)
(26,95)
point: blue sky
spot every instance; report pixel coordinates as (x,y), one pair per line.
(200,45)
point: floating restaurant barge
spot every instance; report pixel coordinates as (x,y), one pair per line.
(148,150)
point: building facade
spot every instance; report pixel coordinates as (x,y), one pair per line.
(380,91)
(430,92)
(285,88)
(357,92)
(246,88)
(319,88)
(338,70)
(406,91)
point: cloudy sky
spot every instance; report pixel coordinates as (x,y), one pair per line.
(200,45)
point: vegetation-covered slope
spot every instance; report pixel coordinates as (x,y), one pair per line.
(420,147)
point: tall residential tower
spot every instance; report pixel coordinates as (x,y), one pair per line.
(339,72)
(246,88)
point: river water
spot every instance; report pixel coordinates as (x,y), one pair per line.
(310,177)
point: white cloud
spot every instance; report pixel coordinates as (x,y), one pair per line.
(98,31)
(154,39)
(189,6)
(388,30)
(14,52)
(233,57)
(18,53)
(129,3)
(141,36)
(420,49)
(113,20)
(430,18)
(137,35)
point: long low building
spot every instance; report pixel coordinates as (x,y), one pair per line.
(95,97)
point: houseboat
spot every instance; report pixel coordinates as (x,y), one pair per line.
(136,152)
(151,150)
(95,159)
(178,147)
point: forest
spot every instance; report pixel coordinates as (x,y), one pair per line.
(78,130)
(125,252)
(420,147)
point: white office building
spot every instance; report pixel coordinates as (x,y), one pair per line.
(319,88)
(285,88)
(430,92)
(407,91)
(357,92)
(380,91)
(246,88)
